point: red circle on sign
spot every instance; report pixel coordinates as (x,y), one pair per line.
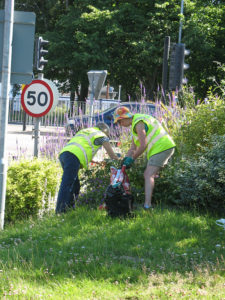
(32,114)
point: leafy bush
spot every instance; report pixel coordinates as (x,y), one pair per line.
(198,181)
(199,125)
(136,177)
(187,98)
(30,186)
(96,179)
(94,182)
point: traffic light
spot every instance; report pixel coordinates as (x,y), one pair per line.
(186,66)
(177,66)
(40,52)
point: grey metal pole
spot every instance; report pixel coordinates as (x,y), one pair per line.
(119,94)
(165,65)
(92,103)
(36,136)
(4,100)
(37,128)
(181,23)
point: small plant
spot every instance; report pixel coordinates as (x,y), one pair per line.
(219,82)
(187,98)
(31,185)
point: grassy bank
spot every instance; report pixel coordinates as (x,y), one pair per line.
(163,254)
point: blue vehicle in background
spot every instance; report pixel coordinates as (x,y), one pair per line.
(82,121)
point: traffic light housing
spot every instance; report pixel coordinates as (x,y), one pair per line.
(40,62)
(177,66)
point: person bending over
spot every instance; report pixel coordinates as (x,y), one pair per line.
(77,154)
(148,136)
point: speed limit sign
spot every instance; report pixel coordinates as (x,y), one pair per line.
(39,97)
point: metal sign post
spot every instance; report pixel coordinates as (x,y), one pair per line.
(4,100)
(92,105)
(36,128)
(96,81)
(38,99)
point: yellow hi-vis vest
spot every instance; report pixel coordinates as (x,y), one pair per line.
(158,139)
(82,145)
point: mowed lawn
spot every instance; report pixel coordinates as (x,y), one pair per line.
(162,254)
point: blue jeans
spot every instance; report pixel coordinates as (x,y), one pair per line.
(70,184)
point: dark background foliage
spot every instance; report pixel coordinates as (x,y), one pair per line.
(127,39)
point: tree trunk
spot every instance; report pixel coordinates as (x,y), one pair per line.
(150,85)
(83,96)
(72,102)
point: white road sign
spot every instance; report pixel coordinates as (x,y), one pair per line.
(39,97)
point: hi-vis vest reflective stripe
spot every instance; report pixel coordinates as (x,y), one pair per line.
(158,139)
(82,145)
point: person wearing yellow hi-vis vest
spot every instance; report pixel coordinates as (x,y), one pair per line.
(76,154)
(149,136)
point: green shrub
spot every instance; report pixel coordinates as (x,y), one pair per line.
(198,181)
(199,125)
(96,179)
(136,177)
(219,82)
(30,186)
(94,182)
(187,98)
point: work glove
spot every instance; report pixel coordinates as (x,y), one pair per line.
(127,161)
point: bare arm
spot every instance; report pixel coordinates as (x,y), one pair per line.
(109,150)
(140,128)
(132,149)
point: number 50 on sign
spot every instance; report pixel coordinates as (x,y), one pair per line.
(39,97)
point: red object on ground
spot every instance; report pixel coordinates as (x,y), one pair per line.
(102,206)
(118,176)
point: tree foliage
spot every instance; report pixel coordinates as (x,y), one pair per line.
(127,38)
(204,31)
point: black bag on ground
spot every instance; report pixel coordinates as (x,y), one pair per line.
(118,202)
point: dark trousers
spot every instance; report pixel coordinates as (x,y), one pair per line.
(70,184)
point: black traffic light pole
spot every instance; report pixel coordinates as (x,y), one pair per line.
(165,65)
(181,23)
(177,65)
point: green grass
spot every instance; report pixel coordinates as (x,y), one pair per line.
(163,254)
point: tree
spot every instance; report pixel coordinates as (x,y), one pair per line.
(204,35)
(47,12)
(68,63)
(124,38)
(127,38)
